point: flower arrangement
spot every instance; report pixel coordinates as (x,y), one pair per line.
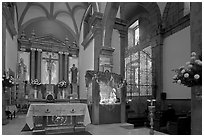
(8,81)
(62,84)
(35,82)
(191,74)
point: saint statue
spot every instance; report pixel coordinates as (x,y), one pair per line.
(22,70)
(74,72)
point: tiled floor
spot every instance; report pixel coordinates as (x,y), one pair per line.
(15,126)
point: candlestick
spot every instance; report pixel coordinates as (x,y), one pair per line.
(151,115)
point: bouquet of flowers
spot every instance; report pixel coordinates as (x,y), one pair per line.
(62,84)
(8,81)
(35,82)
(191,74)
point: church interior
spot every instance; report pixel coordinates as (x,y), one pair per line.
(101,68)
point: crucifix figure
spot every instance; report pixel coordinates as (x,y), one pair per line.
(50,63)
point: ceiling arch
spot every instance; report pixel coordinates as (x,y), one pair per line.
(53,12)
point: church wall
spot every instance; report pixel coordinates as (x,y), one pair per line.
(86,62)
(11,52)
(176,51)
(115,43)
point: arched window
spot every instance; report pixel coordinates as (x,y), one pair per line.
(138,65)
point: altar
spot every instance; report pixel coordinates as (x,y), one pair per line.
(43,116)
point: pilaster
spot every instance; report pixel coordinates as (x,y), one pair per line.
(196,46)
(39,54)
(60,66)
(66,68)
(33,63)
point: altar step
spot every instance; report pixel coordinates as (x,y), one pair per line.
(63,129)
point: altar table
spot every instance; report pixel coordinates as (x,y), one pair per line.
(57,109)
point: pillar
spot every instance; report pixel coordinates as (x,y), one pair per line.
(66,68)
(196,46)
(33,63)
(39,64)
(60,66)
(123,44)
(39,54)
(4,118)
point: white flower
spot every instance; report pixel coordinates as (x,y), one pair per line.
(198,62)
(186,75)
(193,58)
(190,66)
(196,76)
(183,71)
(179,81)
(193,54)
(181,67)
(175,76)
(188,63)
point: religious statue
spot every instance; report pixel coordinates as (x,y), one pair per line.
(22,70)
(74,72)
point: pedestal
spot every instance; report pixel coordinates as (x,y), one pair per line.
(40,95)
(58,95)
(35,93)
(63,93)
(151,115)
(196,110)
(75,90)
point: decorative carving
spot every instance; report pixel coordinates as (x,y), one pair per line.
(49,43)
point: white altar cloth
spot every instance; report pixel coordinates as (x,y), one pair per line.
(57,109)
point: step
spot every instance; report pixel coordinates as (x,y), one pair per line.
(127,126)
(59,130)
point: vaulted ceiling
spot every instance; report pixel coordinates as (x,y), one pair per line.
(61,19)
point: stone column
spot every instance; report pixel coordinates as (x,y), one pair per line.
(33,63)
(123,44)
(66,68)
(157,73)
(4,117)
(39,64)
(60,66)
(39,54)
(196,46)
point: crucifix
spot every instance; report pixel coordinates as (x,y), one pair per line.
(50,63)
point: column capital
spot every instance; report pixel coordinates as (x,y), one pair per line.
(39,50)
(123,33)
(66,53)
(60,52)
(22,49)
(33,49)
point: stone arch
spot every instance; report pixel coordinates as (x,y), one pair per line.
(95,6)
(149,16)
(108,22)
(28,7)
(172,13)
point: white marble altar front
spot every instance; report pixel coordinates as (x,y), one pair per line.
(57,109)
